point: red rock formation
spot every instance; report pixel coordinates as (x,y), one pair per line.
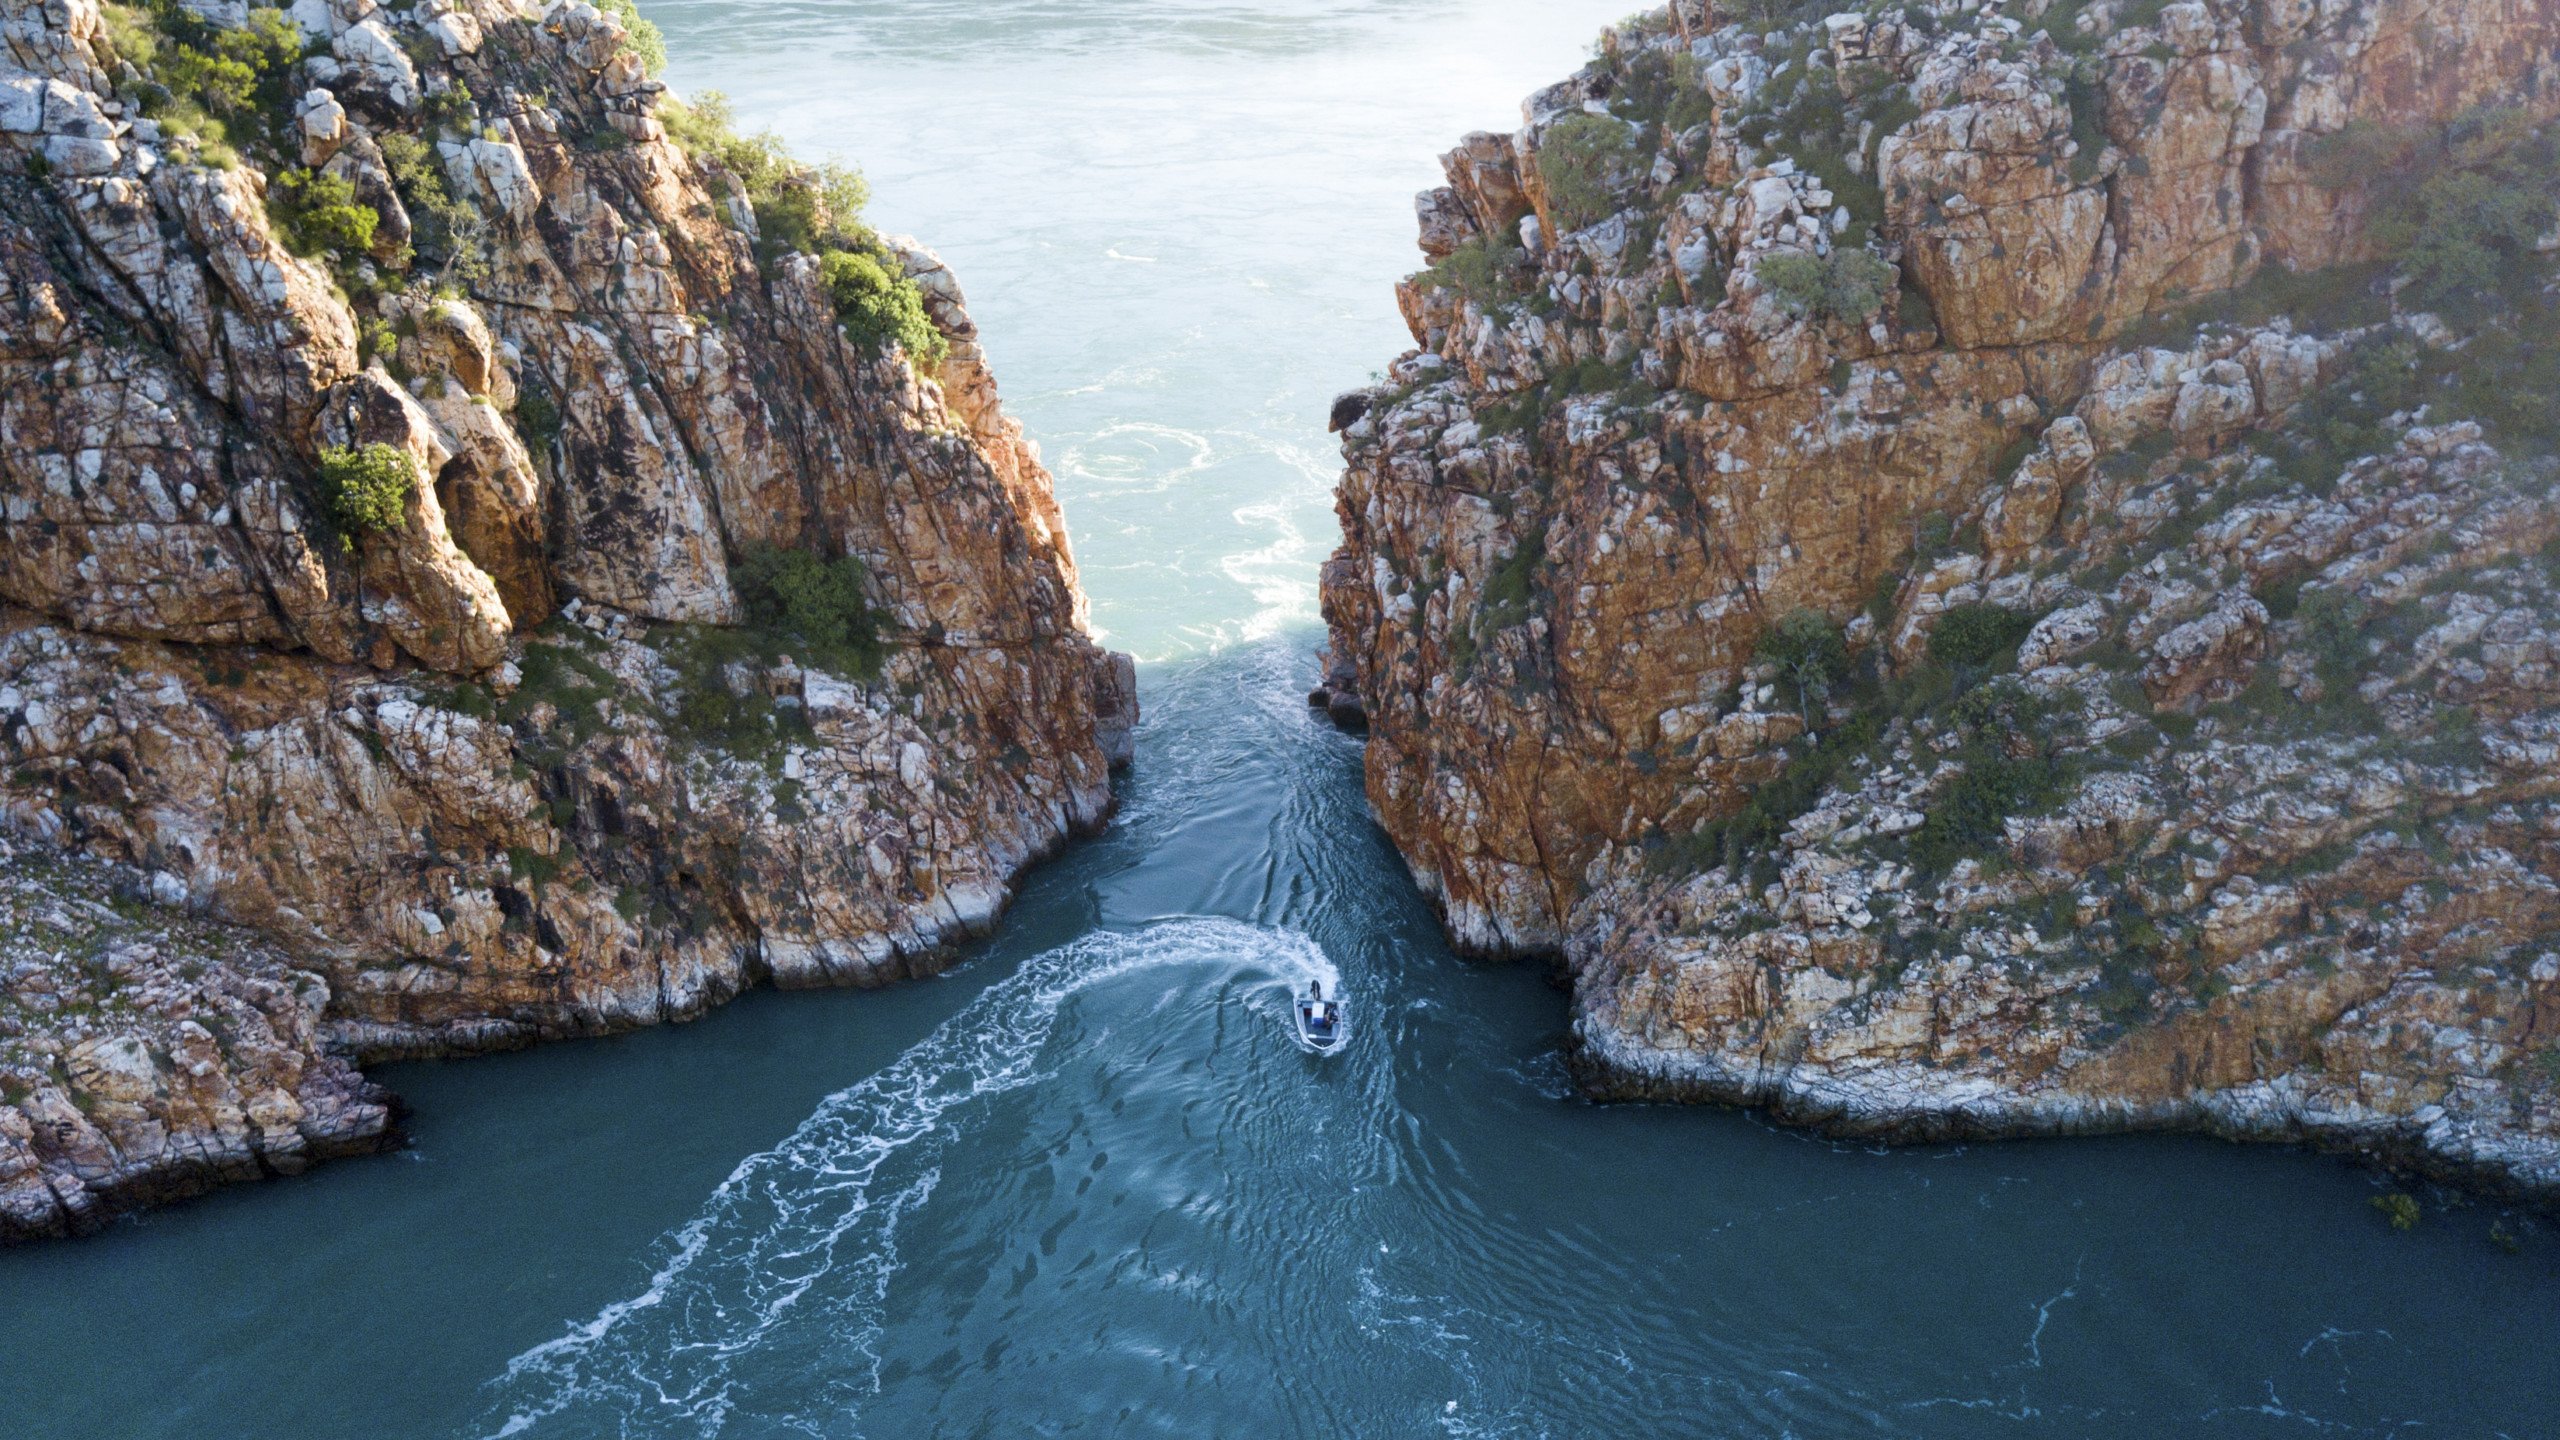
(483,769)
(1880,317)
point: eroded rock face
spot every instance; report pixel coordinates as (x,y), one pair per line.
(1666,399)
(474,768)
(2326,912)
(146,1055)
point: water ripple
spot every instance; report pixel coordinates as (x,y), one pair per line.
(794,1252)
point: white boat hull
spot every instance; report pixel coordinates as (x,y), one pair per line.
(1322,1040)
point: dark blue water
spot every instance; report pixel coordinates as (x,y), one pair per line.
(1087,1185)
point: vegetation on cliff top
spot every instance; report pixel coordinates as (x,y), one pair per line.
(2460,208)
(815,210)
(878,308)
(645,39)
(221,86)
(231,89)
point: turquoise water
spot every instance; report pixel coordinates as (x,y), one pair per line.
(1086,1185)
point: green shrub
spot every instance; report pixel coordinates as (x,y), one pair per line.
(557,672)
(810,209)
(451,108)
(319,213)
(1502,601)
(708,711)
(1592,375)
(2464,233)
(1655,89)
(797,604)
(1480,270)
(2345,419)
(1647,85)
(879,309)
(646,41)
(2460,209)
(804,208)
(1847,284)
(1580,160)
(2508,378)
(537,416)
(194,70)
(1810,654)
(2363,152)
(812,605)
(2002,708)
(376,339)
(705,127)
(2340,297)
(1967,817)
(2088,125)
(2333,630)
(1506,591)
(366,489)
(1973,635)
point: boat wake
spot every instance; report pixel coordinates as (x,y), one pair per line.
(794,1252)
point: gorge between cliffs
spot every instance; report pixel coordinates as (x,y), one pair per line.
(1946,574)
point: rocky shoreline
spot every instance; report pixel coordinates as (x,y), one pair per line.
(1908,1103)
(193,1053)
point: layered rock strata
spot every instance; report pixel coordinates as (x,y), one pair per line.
(1974,572)
(504,768)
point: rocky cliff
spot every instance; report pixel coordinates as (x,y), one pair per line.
(480,567)
(1990,569)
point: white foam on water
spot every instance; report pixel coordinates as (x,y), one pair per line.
(801,1239)
(1136,457)
(1296,523)
(1278,574)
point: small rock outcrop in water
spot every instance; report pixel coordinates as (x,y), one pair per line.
(1994,569)
(519,573)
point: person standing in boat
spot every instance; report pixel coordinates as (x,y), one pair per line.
(1319,1012)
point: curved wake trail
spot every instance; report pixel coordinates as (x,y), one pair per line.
(796,1249)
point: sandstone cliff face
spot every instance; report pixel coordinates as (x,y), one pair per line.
(1950,563)
(500,770)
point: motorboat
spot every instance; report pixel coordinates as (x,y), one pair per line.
(1321,1027)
